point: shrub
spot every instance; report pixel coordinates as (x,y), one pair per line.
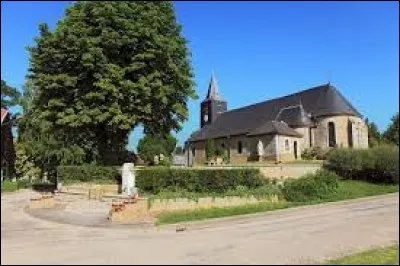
(9,186)
(166,161)
(378,164)
(315,153)
(88,173)
(307,154)
(197,180)
(311,186)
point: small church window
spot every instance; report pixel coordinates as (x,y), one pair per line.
(240,147)
(331,134)
(287,144)
(193,151)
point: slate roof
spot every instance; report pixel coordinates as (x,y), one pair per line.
(294,116)
(317,101)
(275,127)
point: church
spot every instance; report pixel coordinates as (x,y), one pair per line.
(279,129)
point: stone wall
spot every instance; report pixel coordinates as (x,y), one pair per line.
(269,143)
(235,156)
(344,137)
(288,171)
(304,142)
(286,148)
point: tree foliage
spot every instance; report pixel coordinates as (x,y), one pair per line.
(374,136)
(210,149)
(9,95)
(37,145)
(152,145)
(108,67)
(392,132)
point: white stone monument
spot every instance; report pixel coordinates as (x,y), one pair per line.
(128,180)
(260,148)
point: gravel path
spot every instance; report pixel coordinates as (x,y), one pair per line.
(292,236)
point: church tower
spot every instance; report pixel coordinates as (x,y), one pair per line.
(212,105)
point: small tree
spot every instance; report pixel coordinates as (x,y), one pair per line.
(210,149)
(154,145)
(392,132)
(24,165)
(374,136)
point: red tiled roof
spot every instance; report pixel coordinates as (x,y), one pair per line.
(4,113)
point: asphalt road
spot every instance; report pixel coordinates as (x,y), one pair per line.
(293,236)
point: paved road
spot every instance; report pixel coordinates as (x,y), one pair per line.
(297,236)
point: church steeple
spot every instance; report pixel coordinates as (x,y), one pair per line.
(212,93)
(213,104)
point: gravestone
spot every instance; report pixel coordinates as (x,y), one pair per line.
(128,180)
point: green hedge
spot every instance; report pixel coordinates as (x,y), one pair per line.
(377,164)
(316,186)
(88,173)
(9,186)
(197,180)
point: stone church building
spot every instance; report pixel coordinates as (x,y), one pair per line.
(278,129)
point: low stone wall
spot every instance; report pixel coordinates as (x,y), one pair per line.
(288,171)
(42,202)
(143,210)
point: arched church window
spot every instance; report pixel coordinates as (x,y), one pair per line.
(331,134)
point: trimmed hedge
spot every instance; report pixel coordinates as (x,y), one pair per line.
(316,186)
(88,173)
(378,164)
(10,186)
(197,180)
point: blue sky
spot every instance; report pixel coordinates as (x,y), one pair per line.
(259,50)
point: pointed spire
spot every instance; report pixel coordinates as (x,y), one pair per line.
(213,93)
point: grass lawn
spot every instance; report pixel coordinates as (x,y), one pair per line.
(379,256)
(202,214)
(348,189)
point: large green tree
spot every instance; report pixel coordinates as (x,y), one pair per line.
(392,132)
(9,95)
(108,67)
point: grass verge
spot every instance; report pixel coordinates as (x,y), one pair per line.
(379,256)
(202,214)
(348,189)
